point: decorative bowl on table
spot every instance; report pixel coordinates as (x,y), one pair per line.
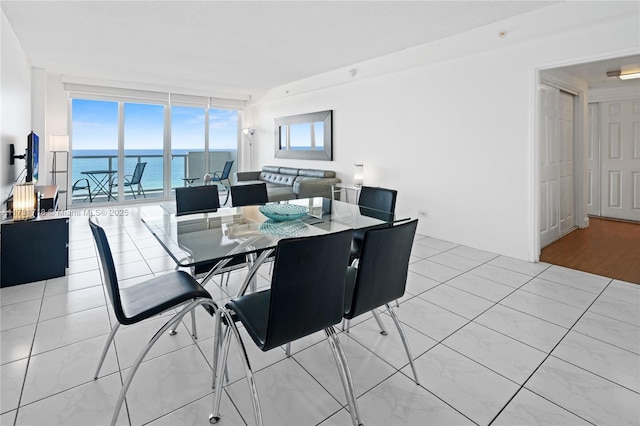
(283,212)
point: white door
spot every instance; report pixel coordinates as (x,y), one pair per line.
(620,151)
(557,205)
(565,162)
(549,185)
(593,161)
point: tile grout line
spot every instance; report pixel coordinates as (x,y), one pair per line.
(546,358)
(26,369)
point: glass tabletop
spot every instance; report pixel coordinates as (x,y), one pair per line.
(204,237)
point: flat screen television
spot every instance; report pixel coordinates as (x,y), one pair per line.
(33,152)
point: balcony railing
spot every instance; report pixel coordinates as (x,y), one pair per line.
(152,178)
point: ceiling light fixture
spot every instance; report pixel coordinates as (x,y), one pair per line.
(624,75)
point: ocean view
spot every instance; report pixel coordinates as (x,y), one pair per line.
(152,179)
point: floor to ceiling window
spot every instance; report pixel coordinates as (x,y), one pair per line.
(178,143)
(94,134)
(143,151)
(187,145)
(223,138)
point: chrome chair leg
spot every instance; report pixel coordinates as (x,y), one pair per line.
(287,349)
(174,329)
(345,374)
(405,342)
(214,417)
(217,341)
(194,332)
(375,314)
(348,322)
(232,329)
(148,346)
(106,348)
(217,344)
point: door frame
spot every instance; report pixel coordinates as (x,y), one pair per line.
(534,141)
(579,91)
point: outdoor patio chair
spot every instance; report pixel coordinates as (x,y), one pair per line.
(79,185)
(132,180)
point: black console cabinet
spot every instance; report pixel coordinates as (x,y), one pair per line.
(34,250)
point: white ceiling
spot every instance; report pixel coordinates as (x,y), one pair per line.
(233,47)
(242,48)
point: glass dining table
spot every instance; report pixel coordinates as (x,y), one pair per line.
(219,236)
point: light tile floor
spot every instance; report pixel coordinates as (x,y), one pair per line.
(496,341)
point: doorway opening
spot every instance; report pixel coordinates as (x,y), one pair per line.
(590,85)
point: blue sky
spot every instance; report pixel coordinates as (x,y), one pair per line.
(95,126)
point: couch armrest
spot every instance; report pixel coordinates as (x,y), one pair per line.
(242,176)
(314,187)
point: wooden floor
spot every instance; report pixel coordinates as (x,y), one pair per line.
(607,247)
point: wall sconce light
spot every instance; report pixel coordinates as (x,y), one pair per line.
(248,131)
(624,75)
(358,175)
(24,201)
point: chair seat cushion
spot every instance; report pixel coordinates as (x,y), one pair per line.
(253,311)
(161,293)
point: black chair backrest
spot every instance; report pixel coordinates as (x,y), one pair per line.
(108,270)
(197,199)
(307,288)
(382,268)
(137,173)
(378,202)
(227,170)
(247,195)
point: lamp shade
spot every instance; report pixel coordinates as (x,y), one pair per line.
(24,201)
(59,143)
(358,175)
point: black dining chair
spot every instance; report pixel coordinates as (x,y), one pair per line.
(220,177)
(376,202)
(132,180)
(248,195)
(82,184)
(251,195)
(381,275)
(138,302)
(204,199)
(197,199)
(306,295)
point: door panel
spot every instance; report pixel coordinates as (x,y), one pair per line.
(557,202)
(549,176)
(593,161)
(620,145)
(565,162)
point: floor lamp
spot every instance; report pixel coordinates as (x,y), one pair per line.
(60,145)
(248,132)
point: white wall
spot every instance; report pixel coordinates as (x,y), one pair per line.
(452,124)
(15,106)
